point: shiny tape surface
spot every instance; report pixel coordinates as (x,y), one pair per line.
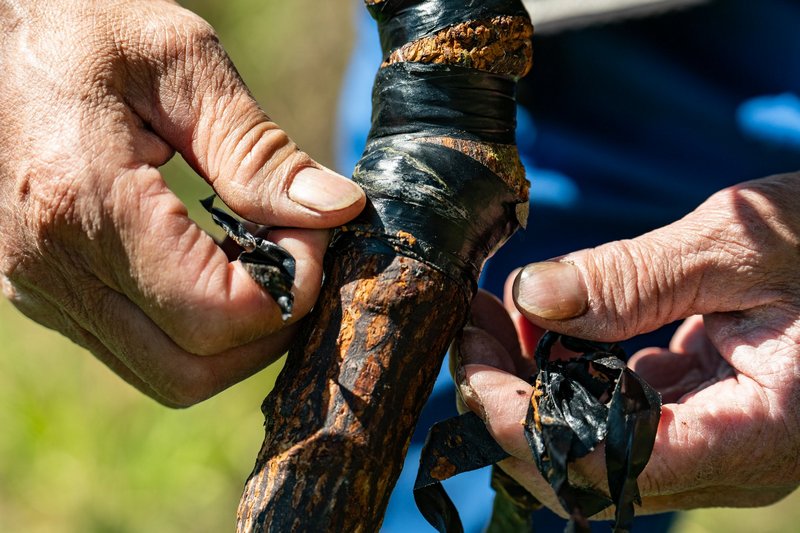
(405,21)
(444,100)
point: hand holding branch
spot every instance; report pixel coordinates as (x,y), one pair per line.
(94,97)
(730,426)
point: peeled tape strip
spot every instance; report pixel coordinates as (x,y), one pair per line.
(270,265)
(577,404)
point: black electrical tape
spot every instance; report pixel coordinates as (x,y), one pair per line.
(435,194)
(438,196)
(270,265)
(581,402)
(449,101)
(406,21)
(454,446)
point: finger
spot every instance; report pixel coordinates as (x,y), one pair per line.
(673,375)
(691,338)
(489,315)
(691,363)
(528,333)
(183,281)
(674,371)
(38,308)
(308,246)
(707,262)
(95,346)
(501,399)
(204,110)
(527,475)
(174,376)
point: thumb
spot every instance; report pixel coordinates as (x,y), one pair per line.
(201,107)
(701,264)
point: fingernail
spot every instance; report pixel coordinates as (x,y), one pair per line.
(321,190)
(468,399)
(456,363)
(551,290)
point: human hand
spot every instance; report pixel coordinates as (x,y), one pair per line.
(95,96)
(730,427)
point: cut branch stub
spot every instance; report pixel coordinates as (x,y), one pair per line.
(445,189)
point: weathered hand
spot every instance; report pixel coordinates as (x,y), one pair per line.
(94,96)
(730,379)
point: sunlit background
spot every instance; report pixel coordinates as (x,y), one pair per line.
(80,451)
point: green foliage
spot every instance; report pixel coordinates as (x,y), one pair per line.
(82,451)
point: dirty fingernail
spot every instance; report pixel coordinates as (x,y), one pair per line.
(467,394)
(323,191)
(551,290)
(466,398)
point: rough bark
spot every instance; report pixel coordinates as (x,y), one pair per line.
(340,418)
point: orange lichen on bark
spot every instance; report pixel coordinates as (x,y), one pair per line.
(407,238)
(502,159)
(501,45)
(338,382)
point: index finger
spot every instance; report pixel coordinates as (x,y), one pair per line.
(184,282)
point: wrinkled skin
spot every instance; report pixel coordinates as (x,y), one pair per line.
(730,379)
(95,95)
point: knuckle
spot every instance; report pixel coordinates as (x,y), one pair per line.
(262,150)
(196,30)
(258,164)
(617,278)
(179,45)
(192,386)
(54,203)
(753,234)
(203,337)
(184,35)
(54,208)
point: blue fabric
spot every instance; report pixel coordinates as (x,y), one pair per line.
(623,128)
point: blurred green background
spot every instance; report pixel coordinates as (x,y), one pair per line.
(80,451)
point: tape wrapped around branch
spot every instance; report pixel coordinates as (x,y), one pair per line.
(406,21)
(445,188)
(430,202)
(427,200)
(444,100)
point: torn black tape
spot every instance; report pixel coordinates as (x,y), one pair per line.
(270,265)
(456,445)
(436,197)
(576,404)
